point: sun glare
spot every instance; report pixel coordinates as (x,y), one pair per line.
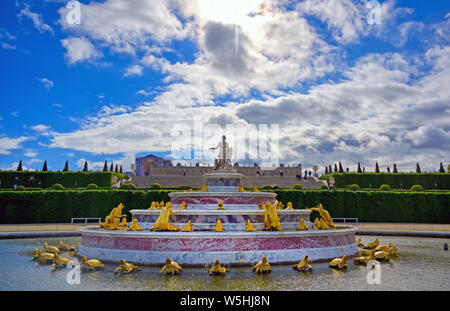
(237,12)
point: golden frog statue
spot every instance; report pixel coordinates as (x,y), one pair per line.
(217,269)
(271,219)
(365,252)
(204,188)
(66,247)
(162,223)
(325,216)
(189,227)
(358,242)
(304,264)
(219,227)
(50,249)
(135,226)
(289,205)
(126,267)
(263,266)
(220,205)
(44,257)
(383,247)
(372,245)
(364,259)
(183,205)
(255,189)
(382,255)
(249,227)
(171,267)
(339,263)
(241,188)
(91,264)
(302,225)
(123,225)
(59,261)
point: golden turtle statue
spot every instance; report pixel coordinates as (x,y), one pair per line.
(304,264)
(263,266)
(382,255)
(363,259)
(126,267)
(91,264)
(217,269)
(44,257)
(339,263)
(59,261)
(171,267)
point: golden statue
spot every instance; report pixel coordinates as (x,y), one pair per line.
(304,264)
(219,227)
(189,227)
(383,247)
(249,227)
(217,269)
(382,255)
(65,247)
(50,249)
(113,219)
(339,263)
(316,225)
(171,267)
(255,189)
(183,205)
(323,225)
(91,264)
(263,266)
(302,225)
(204,188)
(43,257)
(358,242)
(36,253)
(261,205)
(59,261)
(162,223)
(241,188)
(154,205)
(365,252)
(271,219)
(126,267)
(280,205)
(325,216)
(220,205)
(289,205)
(107,223)
(364,259)
(115,224)
(123,225)
(372,245)
(134,226)
(393,251)
(161,205)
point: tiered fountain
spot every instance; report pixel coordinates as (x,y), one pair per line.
(234,246)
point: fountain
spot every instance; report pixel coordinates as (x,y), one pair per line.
(223,200)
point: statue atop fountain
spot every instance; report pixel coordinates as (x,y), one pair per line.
(223,163)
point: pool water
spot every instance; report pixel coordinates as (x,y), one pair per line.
(422,264)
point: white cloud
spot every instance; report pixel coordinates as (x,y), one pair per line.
(133,70)
(30,154)
(7,46)
(48,84)
(36,19)
(79,50)
(7,144)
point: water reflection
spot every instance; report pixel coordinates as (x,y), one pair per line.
(421,265)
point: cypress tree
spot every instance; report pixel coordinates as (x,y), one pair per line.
(121,171)
(66,166)
(326,170)
(359,168)
(117,168)
(44,168)
(377,168)
(441,169)
(418,168)
(335,168)
(85,168)
(19,167)
(388,169)
(105,167)
(329,169)
(111,168)
(395,169)
(341,169)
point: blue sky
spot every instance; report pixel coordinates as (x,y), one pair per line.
(116,84)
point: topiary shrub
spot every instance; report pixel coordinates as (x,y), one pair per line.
(385,187)
(353,187)
(57,187)
(20,188)
(92,187)
(298,187)
(266,187)
(417,188)
(185,187)
(275,187)
(155,186)
(128,187)
(323,187)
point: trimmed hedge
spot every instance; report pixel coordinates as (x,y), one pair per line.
(396,181)
(67,179)
(385,187)
(48,206)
